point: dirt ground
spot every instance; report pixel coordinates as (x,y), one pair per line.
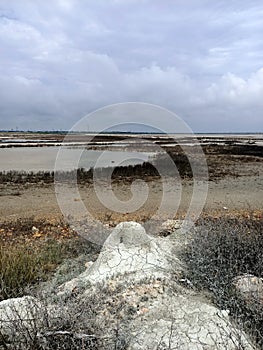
(228,194)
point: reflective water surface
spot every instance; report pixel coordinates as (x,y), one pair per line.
(44,158)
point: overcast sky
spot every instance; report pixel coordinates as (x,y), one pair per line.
(61,59)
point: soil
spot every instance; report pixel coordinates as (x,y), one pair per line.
(225,195)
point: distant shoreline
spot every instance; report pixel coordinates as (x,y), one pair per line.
(65,132)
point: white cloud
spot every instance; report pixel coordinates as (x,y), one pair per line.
(234,90)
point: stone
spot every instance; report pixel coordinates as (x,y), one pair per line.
(250,288)
(18,314)
(172,225)
(35,229)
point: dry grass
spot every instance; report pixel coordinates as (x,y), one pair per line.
(220,250)
(31,250)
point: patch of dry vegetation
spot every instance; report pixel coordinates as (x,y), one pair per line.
(222,249)
(31,250)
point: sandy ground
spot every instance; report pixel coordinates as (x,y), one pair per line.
(228,194)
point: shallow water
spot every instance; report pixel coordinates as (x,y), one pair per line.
(44,158)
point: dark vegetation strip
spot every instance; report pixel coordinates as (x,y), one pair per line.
(82,175)
(241,150)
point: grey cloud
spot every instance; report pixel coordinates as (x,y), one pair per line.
(201,59)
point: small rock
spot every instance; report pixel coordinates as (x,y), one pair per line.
(172,225)
(250,288)
(88,264)
(35,229)
(225,313)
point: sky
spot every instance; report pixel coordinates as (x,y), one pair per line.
(62,59)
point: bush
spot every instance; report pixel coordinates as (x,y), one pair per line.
(31,249)
(220,250)
(24,264)
(71,324)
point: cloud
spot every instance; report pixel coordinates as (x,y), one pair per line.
(236,91)
(202,60)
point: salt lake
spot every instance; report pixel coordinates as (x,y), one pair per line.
(44,158)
